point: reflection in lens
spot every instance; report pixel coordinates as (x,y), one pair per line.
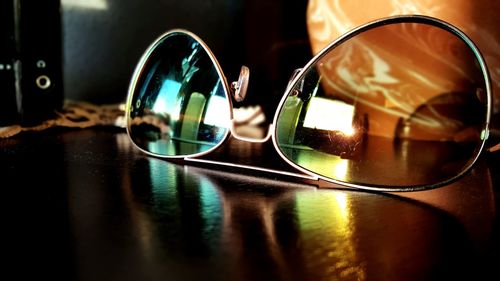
(178,105)
(402,104)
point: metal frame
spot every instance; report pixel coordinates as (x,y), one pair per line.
(138,70)
(302,172)
(380,22)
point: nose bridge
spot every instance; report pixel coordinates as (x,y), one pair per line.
(245,125)
(239,91)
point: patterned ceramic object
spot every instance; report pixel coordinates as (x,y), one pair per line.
(327,19)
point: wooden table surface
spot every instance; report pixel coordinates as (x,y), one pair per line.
(86,205)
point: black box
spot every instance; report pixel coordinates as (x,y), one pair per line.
(31,77)
(8,105)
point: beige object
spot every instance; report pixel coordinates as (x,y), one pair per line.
(75,114)
(328,19)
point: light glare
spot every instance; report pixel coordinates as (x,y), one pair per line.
(331,115)
(217,113)
(86,4)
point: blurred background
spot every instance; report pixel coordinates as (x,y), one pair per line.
(104,39)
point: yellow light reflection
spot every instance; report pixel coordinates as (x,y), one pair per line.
(326,216)
(86,4)
(324,164)
(332,210)
(332,115)
(340,169)
(343,207)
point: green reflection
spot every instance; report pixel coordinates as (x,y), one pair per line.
(190,205)
(211,206)
(163,198)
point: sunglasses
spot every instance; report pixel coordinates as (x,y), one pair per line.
(398,104)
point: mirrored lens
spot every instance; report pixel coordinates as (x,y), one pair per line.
(178,104)
(401,104)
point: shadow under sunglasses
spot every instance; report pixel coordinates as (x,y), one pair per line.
(399,104)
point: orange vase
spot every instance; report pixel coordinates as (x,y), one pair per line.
(328,19)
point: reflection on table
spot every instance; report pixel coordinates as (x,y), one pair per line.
(236,226)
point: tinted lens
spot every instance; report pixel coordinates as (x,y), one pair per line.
(178,103)
(401,104)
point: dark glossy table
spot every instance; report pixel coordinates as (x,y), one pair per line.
(85,205)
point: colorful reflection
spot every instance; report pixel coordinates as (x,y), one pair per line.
(196,205)
(396,105)
(324,163)
(332,214)
(275,230)
(178,104)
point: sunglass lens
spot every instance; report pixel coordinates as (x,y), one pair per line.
(397,105)
(178,102)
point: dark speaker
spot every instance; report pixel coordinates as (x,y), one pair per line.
(8,105)
(32,33)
